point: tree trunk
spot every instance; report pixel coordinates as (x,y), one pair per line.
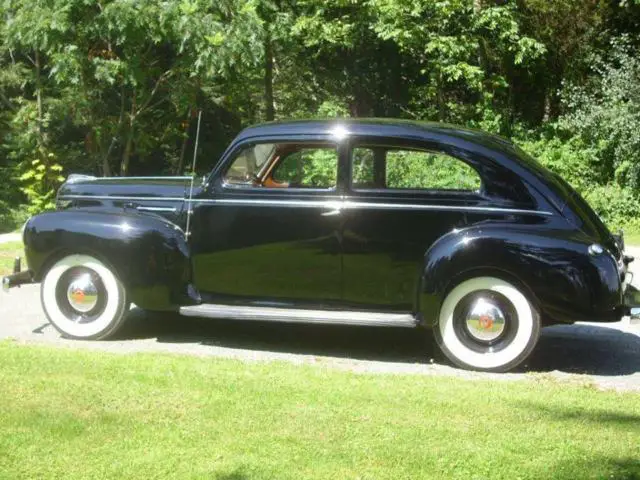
(482,47)
(440,100)
(185,141)
(38,81)
(126,155)
(268,76)
(106,168)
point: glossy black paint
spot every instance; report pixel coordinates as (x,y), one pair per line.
(382,250)
(275,254)
(149,254)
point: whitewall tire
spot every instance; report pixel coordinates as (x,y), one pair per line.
(83,298)
(487,324)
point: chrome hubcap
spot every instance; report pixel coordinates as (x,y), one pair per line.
(485,320)
(82,293)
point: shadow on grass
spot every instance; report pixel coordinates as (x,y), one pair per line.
(584,349)
(612,468)
(573,413)
(231,476)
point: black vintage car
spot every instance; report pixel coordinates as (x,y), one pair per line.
(371,222)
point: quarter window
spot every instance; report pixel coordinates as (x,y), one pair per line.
(395,168)
(284,165)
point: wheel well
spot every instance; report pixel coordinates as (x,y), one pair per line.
(64,252)
(489,272)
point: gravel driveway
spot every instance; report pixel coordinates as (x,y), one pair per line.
(606,355)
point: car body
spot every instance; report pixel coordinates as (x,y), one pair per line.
(361,222)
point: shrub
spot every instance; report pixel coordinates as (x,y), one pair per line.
(12,217)
(40,181)
(619,207)
(571,159)
(605,114)
(577,163)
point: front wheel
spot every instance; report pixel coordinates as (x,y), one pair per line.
(487,324)
(83,298)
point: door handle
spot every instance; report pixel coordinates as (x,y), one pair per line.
(331,213)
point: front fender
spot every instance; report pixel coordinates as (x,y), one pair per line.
(552,267)
(149,254)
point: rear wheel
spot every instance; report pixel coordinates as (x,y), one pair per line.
(487,324)
(83,298)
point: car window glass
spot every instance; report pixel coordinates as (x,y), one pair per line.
(248,163)
(362,168)
(411,169)
(315,167)
(284,165)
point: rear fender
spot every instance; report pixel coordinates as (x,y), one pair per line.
(552,268)
(149,254)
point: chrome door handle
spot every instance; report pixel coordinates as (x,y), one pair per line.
(157,209)
(331,213)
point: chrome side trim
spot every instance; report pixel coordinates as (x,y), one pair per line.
(157,209)
(121,198)
(328,204)
(348,204)
(298,315)
(453,208)
(76,178)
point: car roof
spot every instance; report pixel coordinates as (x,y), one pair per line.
(380,127)
(509,155)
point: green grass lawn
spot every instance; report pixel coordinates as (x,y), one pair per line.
(80,414)
(8,252)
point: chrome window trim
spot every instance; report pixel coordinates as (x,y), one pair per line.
(234,187)
(329,204)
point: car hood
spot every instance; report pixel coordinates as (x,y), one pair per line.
(170,188)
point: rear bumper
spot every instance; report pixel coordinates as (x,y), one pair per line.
(632,303)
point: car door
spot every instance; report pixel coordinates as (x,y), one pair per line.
(402,197)
(267,232)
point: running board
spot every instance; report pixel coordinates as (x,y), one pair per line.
(299,315)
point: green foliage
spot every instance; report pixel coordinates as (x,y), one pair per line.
(577,163)
(619,207)
(571,159)
(114,87)
(40,179)
(12,217)
(605,113)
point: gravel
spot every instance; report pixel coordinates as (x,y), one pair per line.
(606,356)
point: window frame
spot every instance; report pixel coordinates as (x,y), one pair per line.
(307,142)
(394,144)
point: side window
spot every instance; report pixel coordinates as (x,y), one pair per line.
(315,167)
(248,164)
(395,168)
(362,168)
(284,165)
